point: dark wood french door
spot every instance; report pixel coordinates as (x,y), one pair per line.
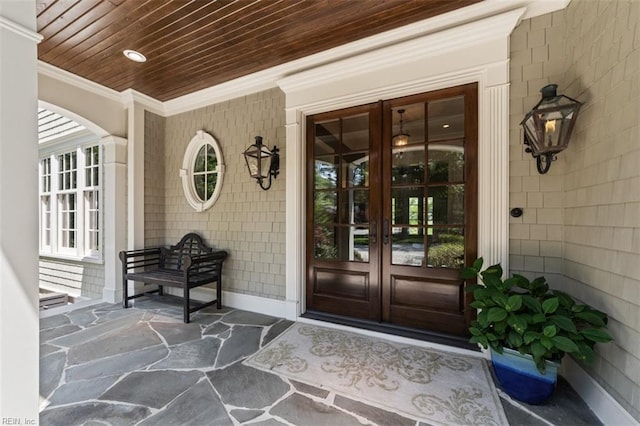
(392,210)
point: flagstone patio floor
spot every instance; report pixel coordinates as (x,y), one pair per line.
(102,364)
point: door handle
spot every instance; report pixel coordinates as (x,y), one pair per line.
(385,231)
(373,232)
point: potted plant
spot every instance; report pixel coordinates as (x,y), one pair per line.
(529,328)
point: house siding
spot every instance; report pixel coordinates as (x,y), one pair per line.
(70,277)
(245,220)
(581,227)
(154,176)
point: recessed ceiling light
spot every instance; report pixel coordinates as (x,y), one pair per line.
(134,56)
(445,126)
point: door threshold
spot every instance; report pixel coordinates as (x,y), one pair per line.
(411,333)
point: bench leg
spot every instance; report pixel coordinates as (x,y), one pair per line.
(125,293)
(160,290)
(219,292)
(186,304)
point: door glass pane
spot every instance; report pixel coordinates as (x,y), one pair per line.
(355,206)
(446,204)
(408,206)
(408,165)
(446,162)
(446,119)
(324,242)
(446,247)
(407,246)
(326,173)
(327,137)
(355,133)
(412,124)
(325,207)
(355,170)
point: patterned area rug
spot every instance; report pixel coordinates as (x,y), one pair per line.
(434,386)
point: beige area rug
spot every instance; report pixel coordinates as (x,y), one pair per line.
(425,384)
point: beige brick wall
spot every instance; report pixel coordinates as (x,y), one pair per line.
(154,176)
(245,220)
(73,278)
(584,231)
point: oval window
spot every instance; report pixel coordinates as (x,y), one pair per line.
(202,171)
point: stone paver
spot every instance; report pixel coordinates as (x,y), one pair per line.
(374,414)
(248,318)
(244,340)
(118,364)
(51,369)
(81,390)
(197,406)
(243,386)
(300,410)
(174,334)
(152,388)
(196,354)
(94,413)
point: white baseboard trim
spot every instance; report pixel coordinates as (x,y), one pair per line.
(245,302)
(608,410)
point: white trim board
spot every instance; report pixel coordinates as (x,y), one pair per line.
(608,410)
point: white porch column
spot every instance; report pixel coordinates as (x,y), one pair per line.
(19,315)
(135,161)
(115,217)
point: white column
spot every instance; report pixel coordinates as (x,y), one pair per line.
(294,216)
(115,214)
(19,315)
(493,176)
(135,161)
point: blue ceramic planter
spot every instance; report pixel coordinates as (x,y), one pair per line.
(520,379)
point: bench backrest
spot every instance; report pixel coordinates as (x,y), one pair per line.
(190,244)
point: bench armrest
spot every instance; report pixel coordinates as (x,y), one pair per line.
(140,258)
(204,263)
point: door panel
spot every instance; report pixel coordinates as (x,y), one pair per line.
(428,199)
(343,183)
(392,197)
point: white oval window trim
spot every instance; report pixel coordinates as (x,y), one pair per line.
(200,140)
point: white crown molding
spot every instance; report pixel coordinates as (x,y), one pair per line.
(442,42)
(21,30)
(77,81)
(129,96)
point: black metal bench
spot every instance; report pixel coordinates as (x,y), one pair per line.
(188,264)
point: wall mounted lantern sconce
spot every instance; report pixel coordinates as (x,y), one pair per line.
(262,163)
(548,126)
(402,138)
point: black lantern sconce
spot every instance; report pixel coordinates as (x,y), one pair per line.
(262,163)
(548,126)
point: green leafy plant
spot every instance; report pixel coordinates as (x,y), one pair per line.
(526,316)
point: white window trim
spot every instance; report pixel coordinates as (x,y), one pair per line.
(186,173)
(79,252)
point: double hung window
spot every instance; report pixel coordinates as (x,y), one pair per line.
(70,191)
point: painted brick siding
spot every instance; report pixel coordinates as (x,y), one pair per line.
(154,176)
(246,221)
(73,278)
(584,233)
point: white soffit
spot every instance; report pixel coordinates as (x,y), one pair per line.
(270,78)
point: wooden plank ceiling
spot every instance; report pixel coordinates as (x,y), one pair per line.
(192,45)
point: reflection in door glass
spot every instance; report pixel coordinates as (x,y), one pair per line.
(447,204)
(355,206)
(327,137)
(446,162)
(326,172)
(355,133)
(407,246)
(446,247)
(342,243)
(446,119)
(355,170)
